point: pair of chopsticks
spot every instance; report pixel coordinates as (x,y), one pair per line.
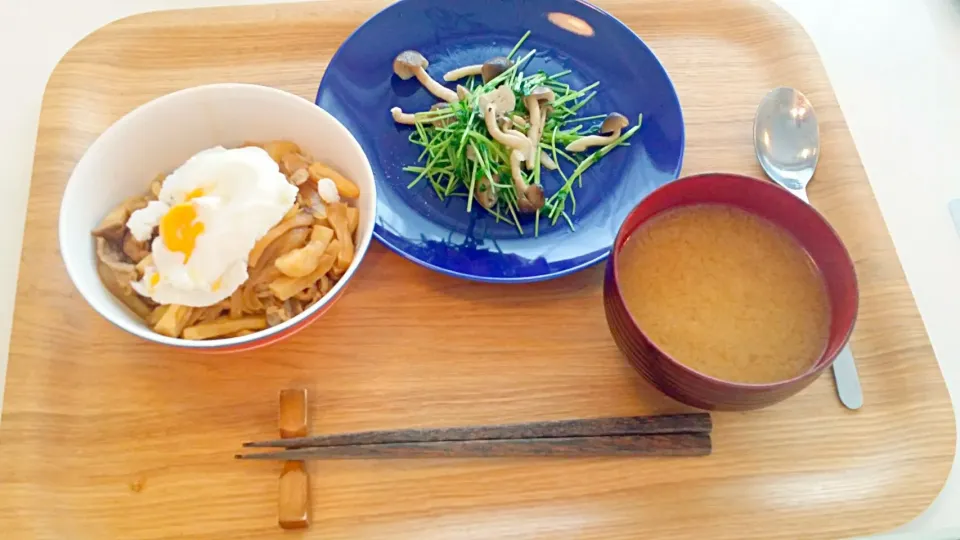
(671,435)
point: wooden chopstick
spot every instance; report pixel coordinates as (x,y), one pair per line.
(631,425)
(677,444)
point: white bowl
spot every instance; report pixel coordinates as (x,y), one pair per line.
(162,134)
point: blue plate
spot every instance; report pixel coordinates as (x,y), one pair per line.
(359,89)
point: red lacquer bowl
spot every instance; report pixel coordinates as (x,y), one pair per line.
(763,199)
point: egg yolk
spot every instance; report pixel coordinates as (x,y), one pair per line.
(179,229)
(194,194)
(154,280)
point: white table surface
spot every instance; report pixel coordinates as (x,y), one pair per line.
(894,64)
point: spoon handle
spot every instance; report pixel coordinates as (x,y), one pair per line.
(844,367)
(800,193)
(848,381)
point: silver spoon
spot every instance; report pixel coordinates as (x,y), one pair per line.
(787,140)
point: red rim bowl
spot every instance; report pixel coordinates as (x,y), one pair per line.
(775,204)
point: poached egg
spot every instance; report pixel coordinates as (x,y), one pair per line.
(210,213)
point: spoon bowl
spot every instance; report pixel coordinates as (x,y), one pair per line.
(787,139)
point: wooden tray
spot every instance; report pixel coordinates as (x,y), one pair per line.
(104,436)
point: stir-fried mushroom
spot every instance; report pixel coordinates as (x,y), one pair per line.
(110,255)
(136,250)
(401,117)
(463,93)
(157,185)
(410,64)
(494,67)
(529,196)
(293,162)
(145,263)
(114,225)
(125,294)
(300,177)
(463,72)
(610,131)
(304,261)
(537,116)
(277,149)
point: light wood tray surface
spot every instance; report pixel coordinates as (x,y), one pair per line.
(104,436)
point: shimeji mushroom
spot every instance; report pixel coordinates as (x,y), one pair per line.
(510,138)
(410,119)
(463,72)
(493,68)
(401,117)
(502,101)
(547,161)
(462,92)
(529,196)
(409,64)
(537,116)
(514,121)
(515,133)
(503,98)
(610,131)
(489,70)
(484,191)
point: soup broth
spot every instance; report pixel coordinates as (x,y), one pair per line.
(726,293)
